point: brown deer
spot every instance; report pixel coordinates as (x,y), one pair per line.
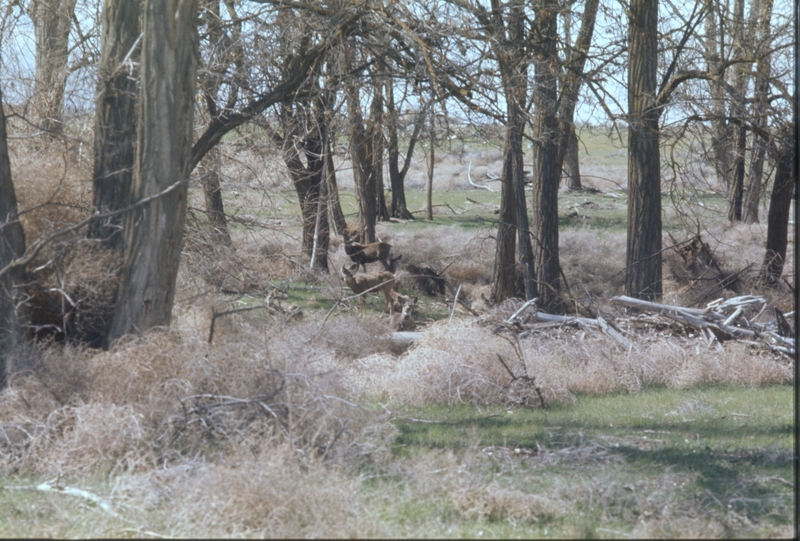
(362,254)
(369,281)
(398,301)
(403,321)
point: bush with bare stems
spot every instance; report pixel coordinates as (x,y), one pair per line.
(362,254)
(363,283)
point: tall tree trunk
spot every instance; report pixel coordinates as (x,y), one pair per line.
(742,48)
(12,245)
(571,160)
(643,255)
(115,119)
(504,283)
(431,164)
(215,209)
(779,209)
(51,23)
(759,114)
(376,122)
(361,152)
(576,61)
(334,204)
(396,174)
(154,231)
(721,131)
(308,183)
(546,172)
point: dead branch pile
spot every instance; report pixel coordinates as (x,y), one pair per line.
(721,320)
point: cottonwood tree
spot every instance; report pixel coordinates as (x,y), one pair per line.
(12,247)
(52,20)
(574,63)
(643,254)
(785,157)
(115,118)
(154,230)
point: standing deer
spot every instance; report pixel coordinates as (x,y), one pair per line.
(362,254)
(369,281)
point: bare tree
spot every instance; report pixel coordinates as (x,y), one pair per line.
(154,231)
(51,22)
(397,174)
(759,111)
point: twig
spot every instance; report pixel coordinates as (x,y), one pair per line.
(469,178)
(455,301)
(518,312)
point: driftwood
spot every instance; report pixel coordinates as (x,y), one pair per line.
(552,320)
(721,325)
(719,321)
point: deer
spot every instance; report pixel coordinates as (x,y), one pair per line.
(362,283)
(403,321)
(398,301)
(362,254)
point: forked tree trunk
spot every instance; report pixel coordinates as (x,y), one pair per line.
(51,23)
(396,174)
(115,119)
(643,254)
(12,246)
(154,231)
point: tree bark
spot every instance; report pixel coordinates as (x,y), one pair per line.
(336,215)
(12,245)
(742,47)
(431,164)
(571,161)
(643,254)
(546,172)
(779,209)
(215,208)
(759,114)
(576,61)
(361,153)
(396,174)
(51,24)
(721,131)
(115,119)
(504,283)
(154,231)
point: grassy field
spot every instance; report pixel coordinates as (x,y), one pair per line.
(323,427)
(705,462)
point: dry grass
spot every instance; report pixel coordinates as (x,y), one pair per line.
(261,434)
